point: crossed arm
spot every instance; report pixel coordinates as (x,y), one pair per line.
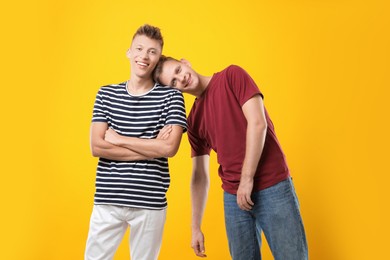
(106,143)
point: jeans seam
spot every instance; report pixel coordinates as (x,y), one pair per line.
(298,213)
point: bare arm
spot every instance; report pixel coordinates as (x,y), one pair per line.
(104,149)
(256,132)
(152,148)
(199,190)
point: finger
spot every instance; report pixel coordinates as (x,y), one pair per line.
(243,203)
(248,203)
(167,127)
(166,134)
(168,131)
(200,253)
(196,249)
(199,250)
(249,200)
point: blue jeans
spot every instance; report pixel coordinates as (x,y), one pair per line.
(276,213)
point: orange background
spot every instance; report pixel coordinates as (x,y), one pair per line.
(323,66)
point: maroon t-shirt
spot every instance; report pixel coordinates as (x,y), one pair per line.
(216,121)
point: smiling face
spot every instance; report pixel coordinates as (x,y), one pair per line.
(144,54)
(179,75)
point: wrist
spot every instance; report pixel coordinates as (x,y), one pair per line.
(195,227)
(246,176)
(120,141)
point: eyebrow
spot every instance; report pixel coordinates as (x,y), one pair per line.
(143,46)
(177,68)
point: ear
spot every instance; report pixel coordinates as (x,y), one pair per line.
(186,62)
(128,53)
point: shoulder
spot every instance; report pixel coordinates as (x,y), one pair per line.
(113,87)
(232,72)
(235,70)
(166,90)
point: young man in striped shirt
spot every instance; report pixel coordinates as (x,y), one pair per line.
(136,125)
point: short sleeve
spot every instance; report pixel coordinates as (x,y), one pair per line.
(242,84)
(176,114)
(98,109)
(198,146)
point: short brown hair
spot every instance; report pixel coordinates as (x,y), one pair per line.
(158,70)
(150,31)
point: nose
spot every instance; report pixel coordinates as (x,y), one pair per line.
(182,78)
(144,55)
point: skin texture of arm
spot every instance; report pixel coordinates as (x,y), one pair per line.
(104,149)
(200,183)
(256,132)
(151,148)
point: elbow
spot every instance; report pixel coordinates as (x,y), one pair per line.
(171,151)
(95,151)
(200,178)
(261,126)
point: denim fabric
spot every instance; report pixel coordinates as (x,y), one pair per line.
(276,213)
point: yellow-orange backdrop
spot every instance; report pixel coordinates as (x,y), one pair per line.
(321,64)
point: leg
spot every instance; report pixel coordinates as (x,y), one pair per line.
(105,233)
(146,231)
(282,222)
(243,237)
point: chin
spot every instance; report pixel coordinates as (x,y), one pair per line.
(145,75)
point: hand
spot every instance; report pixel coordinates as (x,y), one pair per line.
(198,243)
(244,192)
(112,137)
(164,132)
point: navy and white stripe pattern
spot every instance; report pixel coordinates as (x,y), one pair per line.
(139,184)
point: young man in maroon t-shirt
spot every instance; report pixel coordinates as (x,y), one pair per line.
(229,117)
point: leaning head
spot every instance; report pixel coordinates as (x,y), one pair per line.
(158,71)
(177,74)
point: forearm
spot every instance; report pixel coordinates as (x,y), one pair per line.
(199,193)
(200,183)
(103,149)
(109,151)
(149,147)
(154,148)
(255,139)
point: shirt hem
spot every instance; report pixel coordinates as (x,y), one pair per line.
(130,206)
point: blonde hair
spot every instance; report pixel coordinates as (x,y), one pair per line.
(150,31)
(159,67)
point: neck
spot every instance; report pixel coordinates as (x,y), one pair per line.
(203,84)
(139,86)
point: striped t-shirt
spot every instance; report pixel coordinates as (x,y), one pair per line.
(139,184)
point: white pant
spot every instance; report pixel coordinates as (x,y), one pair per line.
(109,224)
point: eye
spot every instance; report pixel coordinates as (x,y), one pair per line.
(138,48)
(152,51)
(173,83)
